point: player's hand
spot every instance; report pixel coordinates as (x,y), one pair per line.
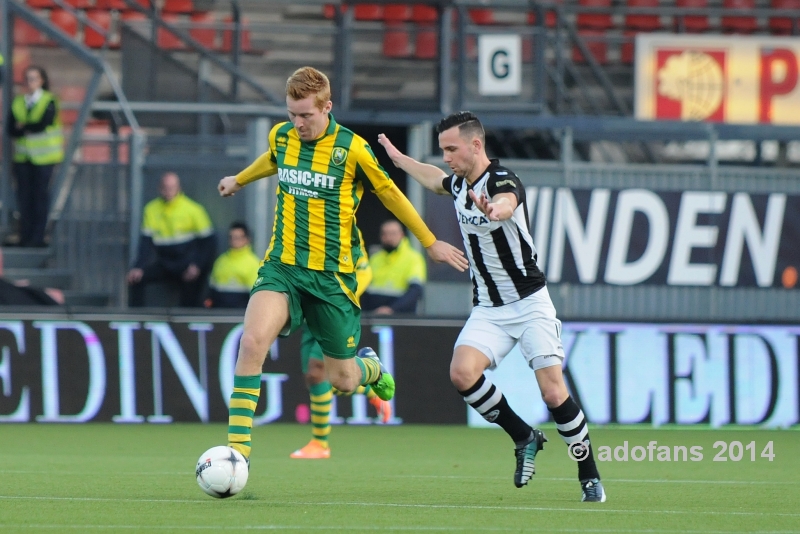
(492,210)
(228,186)
(442,252)
(384,310)
(391,150)
(135,275)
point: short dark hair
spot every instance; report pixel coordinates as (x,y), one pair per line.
(467,122)
(239,225)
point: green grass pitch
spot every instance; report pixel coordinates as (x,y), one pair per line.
(112,478)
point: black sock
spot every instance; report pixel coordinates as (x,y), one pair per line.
(492,405)
(572,426)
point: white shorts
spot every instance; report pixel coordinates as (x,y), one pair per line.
(531,321)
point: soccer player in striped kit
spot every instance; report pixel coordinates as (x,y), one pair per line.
(309,269)
(512,304)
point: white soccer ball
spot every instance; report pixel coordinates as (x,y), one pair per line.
(221,472)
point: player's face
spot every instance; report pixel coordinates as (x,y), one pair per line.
(457,152)
(309,120)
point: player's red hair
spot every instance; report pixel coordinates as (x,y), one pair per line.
(307,81)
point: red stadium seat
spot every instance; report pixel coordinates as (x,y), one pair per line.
(133,16)
(123,155)
(166,39)
(426,44)
(65,20)
(628,48)
(549,18)
(422,14)
(206,36)
(41,4)
(119,5)
(368,12)
(692,23)
(638,23)
(594,21)
(244,36)
(25,34)
(426,40)
(80,4)
(396,12)
(21,61)
(738,24)
(178,6)
(95,39)
(72,94)
(396,43)
(643,22)
(785,25)
(597,45)
(98,151)
(481,17)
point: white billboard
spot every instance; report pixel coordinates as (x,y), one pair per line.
(667,374)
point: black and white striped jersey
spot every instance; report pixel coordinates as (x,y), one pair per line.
(501,254)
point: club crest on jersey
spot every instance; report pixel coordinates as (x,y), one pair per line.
(338,155)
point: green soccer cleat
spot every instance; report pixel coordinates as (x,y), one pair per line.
(384,387)
(526,455)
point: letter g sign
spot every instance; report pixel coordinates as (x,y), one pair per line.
(499,64)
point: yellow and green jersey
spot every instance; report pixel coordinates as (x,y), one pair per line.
(320,184)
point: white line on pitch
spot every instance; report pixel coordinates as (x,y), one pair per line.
(589,508)
(371,528)
(613,480)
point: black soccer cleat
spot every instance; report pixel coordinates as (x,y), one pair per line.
(525,456)
(593,490)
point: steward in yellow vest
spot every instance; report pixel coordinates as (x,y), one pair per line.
(40,139)
(398,274)
(177,245)
(235,271)
(39,145)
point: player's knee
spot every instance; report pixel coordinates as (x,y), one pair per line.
(345,383)
(553,395)
(253,346)
(463,376)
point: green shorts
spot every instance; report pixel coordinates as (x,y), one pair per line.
(326,300)
(309,349)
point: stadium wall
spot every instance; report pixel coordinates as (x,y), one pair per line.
(162,369)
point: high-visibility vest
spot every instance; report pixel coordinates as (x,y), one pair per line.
(44,148)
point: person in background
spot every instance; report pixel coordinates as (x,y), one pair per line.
(398,274)
(235,271)
(177,245)
(39,146)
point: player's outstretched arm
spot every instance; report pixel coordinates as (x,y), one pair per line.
(429,176)
(228,186)
(499,208)
(443,252)
(262,167)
